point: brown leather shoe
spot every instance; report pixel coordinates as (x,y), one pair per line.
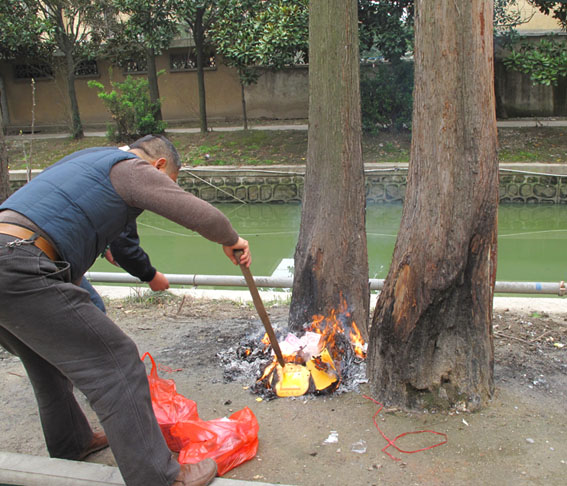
(97,443)
(199,474)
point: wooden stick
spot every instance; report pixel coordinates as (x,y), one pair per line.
(260,308)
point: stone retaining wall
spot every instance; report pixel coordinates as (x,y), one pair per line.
(532,188)
(382,185)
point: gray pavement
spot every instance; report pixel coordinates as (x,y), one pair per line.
(524,122)
(25,470)
(97,133)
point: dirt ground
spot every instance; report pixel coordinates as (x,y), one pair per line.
(520,438)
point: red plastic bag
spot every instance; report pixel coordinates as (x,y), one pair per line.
(169,406)
(229,441)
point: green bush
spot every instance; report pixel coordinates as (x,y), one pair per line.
(131,109)
(386,96)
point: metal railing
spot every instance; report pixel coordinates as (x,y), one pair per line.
(195,280)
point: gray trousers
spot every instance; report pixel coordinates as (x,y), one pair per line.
(64,340)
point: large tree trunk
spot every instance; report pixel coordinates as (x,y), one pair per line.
(153,82)
(199,38)
(331,254)
(431,334)
(76,124)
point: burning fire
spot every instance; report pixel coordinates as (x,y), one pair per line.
(328,344)
(357,342)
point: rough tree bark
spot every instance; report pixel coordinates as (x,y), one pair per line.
(243,100)
(153,80)
(65,41)
(431,334)
(199,38)
(76,124)
(4,112)
(331,253)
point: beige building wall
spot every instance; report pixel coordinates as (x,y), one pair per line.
(277,95)
(538,23)
(281,95)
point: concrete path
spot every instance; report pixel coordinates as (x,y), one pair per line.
(525,122)
(24,470)
(95,133)
(532,122)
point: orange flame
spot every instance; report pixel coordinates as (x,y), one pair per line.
(268,371)
(357,341)
(329,327)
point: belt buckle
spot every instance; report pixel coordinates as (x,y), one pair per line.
(19,242)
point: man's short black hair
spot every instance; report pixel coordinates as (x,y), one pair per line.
(157,146)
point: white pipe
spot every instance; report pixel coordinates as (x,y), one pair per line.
(287,282)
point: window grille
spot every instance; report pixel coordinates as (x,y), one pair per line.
(187,61)
(136,66)
(32,70)
(86,68)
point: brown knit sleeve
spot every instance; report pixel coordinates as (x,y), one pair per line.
(143,186)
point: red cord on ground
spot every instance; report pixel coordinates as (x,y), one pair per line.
(392,442)
(168,369)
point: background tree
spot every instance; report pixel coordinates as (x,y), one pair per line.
(253,33)
(431,335)
(508,15)
(386,34)
(143,29)
(386,28)
(331,252)
(69,28)
(200,15)
(20,33)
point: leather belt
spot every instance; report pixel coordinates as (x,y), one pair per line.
(31,237)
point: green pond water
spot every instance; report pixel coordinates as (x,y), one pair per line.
(531,243)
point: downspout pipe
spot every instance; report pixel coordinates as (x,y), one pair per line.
(195,280)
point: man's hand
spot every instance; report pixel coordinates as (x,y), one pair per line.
(241,244)
(159,282)
(110,258)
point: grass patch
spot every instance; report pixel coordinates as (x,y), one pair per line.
(146,298)
(533,144)
(272,147)
(46,151)
(252,147)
